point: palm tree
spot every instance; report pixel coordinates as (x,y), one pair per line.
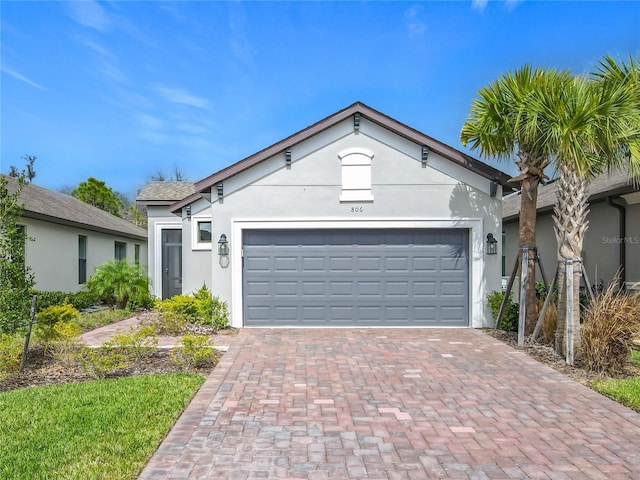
(592,124)
(501,124)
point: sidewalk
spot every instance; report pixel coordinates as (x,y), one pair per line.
(97,337)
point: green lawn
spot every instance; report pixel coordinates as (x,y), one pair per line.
(625,391)
(104,429)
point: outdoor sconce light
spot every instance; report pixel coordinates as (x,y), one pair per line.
(492,244)
(223,246)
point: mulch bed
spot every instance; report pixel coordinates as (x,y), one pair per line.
(547,355)
(42,370)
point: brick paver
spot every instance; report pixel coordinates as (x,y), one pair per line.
(399,404)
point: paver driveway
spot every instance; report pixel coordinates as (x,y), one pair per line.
(394,404)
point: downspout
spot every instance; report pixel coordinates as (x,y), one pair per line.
(623,239)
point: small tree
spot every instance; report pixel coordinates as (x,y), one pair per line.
(16,278)
(117,282)
(95,192)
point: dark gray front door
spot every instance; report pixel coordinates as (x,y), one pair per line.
(368,277)
(171,262)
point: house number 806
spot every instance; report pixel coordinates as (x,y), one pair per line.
(357,209)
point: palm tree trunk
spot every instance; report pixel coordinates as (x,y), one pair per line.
(528,216)
(570,225)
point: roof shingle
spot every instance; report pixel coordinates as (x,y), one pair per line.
(56,207)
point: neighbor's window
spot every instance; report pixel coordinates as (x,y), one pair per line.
(136,254)
(120,251)
(82,259)
(504,254)
(356,175)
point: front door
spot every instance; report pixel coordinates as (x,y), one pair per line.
(171,262)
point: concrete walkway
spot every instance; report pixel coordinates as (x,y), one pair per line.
(393,404)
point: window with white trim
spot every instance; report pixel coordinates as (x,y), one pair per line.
(356,175)
(201,233)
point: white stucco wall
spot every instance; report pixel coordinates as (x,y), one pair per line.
(442,195)
(53,255)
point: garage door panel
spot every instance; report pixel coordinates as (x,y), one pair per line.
(357,277)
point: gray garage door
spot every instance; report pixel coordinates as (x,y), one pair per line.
(356,277)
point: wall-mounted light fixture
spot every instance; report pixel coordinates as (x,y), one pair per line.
(425,156)
(223,246)
(492,244)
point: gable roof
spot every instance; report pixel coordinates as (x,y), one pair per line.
(56,207)
(608,184)
(370,114)
(164,193)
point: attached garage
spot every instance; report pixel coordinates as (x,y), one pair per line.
(357,220)
(356,277)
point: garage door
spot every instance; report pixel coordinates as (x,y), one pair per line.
(356,277)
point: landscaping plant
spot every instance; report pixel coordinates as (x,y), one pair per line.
(611,322)
(510,315)
(16,278)
(10,353)
(194,351)
(137,343)
(116,282)
(47,319)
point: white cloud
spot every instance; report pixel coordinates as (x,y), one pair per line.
(90,14)
(15,74)
(178,95)
(479,4)
(414,25)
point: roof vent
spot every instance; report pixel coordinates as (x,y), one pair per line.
(287,157)
(220,190)
(356,122)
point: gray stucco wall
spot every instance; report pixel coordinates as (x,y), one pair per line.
(196,264)
(53,255)
(601,244)
(442,195)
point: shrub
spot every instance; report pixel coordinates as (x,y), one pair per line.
(79,300)
(201,308)
(137,343)
(117,281)
(194,351)
(510,314)
(101,362)
(47,319)
(610,323)
(166,324)
(10,353)
(67,342)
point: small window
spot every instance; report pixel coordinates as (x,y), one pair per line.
(504,254)
(82,259)
(136,253)
(356,175)
(120,251)
(204,232)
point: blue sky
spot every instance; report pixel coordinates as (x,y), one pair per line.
(118,90)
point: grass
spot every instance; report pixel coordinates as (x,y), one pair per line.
(635,356)
(625,391)
(89,321)
(104,429)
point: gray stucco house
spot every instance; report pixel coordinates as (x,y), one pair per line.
(71,238)
(612,240)
(357,220)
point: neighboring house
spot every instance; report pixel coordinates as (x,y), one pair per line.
(612,240)
(357,220)
(71,238)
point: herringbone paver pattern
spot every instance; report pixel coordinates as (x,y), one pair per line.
(397,404)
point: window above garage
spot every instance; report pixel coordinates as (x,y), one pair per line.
(356,175)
